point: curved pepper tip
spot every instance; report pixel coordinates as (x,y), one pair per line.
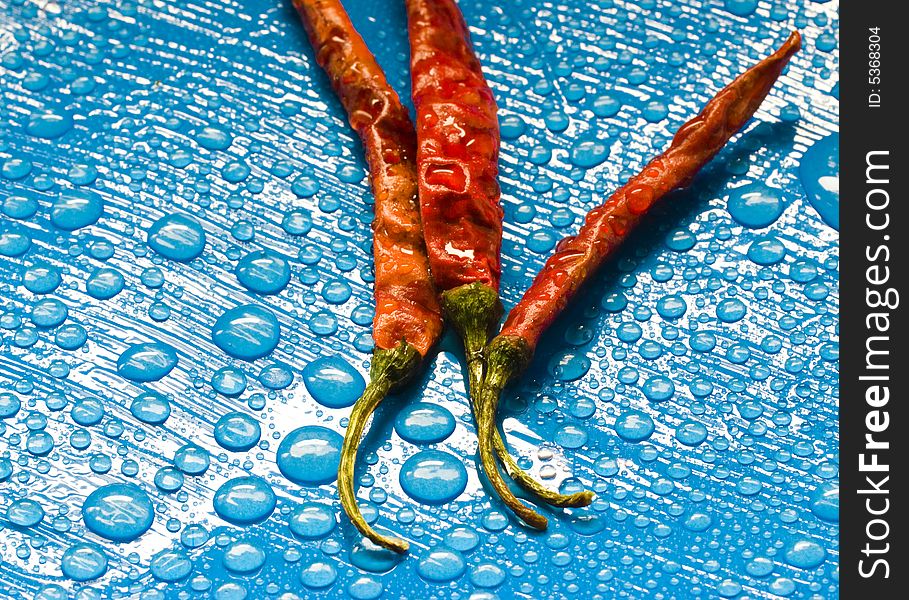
(792,44)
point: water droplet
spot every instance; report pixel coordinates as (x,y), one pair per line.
(730,310)
(333,382)
(825,502)
(177,237)
(263,273)
(805,554)
(49,312)
(120,512)
(83,562)
(766,251)
(192,459)
(487,575)
(570,436)
(229,381)
(19,207)
(245,500)
(312,521)
(243,557)
(310,455)
(634,426)
(41,279)
(742,8)
(151,408)
(170,566)
(147,362)
(214,138)
(606,106)
(296,222)
(658,388)
(588,153)
(820,175)
(441,565)
(433,477)
(318,576)
(49,124)
(755,206)
(87,412)
(672,306)
(276,376)
(74,209)
(169,479)
(691,433)
(24,513)
(424,423)
(759,567)
(569,365)
(680,240)
(247,332)
(104,283)
(371,557)
(237,432)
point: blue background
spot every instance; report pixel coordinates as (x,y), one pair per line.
(717,321)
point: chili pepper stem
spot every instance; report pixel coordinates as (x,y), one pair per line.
(474,311)
(466,308)
(389,369)
(505,358)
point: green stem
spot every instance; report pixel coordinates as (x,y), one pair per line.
(389,369)
(474,311)
(505,358)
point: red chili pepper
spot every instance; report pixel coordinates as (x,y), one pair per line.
(408,319)
(607,226)
(457,160)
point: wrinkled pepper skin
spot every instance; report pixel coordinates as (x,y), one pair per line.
(458,148)
(407,307)
(607,226)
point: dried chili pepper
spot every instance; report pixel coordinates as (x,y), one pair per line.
(457,160)
(408,317)
(606,226)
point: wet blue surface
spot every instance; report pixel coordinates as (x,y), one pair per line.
(185,277)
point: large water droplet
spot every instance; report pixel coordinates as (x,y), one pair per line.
(237,432)
(24,513)
(74,209)
(333,382)
(819,172)
(634,426)
(170,566)
(214,138)
(243,557)
(263,273)
(424,423)
(318,575)
(741,8)
(433,477)
(310,455)
(588,153)
(312,521)
(150,407)
(83,562)
(247,332)
(805,554)
(441,565)
(49,124)
(245,500)
(147,362)
(755,206)
(120,512)
(177,237)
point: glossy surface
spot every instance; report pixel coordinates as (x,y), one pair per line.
(727,487)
